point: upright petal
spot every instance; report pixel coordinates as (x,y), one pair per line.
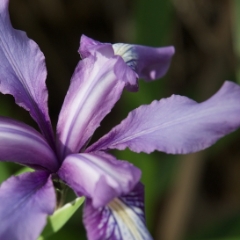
(26,200)
(23,144)
(23,71)
(123,218)
(95,87)
(149,63)
(89,46)
(177,124)
(98,176)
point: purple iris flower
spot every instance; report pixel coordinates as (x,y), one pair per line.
(114,207)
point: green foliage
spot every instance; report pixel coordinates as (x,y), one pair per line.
(60,217)
(4,172)
(24,170)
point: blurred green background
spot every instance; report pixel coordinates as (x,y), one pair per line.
(193,197)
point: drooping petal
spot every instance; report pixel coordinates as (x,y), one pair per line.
(23,71)
(26,200)
(98,176)
(95,87)
(149,63)
(22,144)
(177,124)
(123,218)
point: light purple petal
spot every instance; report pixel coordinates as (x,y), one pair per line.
(23,71)
(95,87)
(123,218)
(147,62)
(177,124)
(98,176)
(89,46)
(23,144)
(26,200)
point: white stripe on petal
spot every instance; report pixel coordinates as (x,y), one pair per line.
(98,176)
(94,90)
(122,218)
(22,144)
(130,226)
(126,51)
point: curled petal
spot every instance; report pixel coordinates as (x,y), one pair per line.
(146,62)
(123,218)
(89,47)
(26,200)
(98,176)
(95,87)
(177,124)
(23,72)
(23,144)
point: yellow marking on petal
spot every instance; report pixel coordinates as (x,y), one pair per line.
(121,211)
(121,48)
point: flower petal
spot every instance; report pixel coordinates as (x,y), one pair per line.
(26,200)
(89,47)
(177,124)
(149,63)
(123,218)
(23,72)
(95,87)
(23,144)
(98,176)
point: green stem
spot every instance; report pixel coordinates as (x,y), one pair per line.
(61,190)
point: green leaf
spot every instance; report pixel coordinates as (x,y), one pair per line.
(4,172)
(60,217)
(24,170)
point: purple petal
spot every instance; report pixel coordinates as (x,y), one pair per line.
(23,71)
(177,124)
(123,218)
(98,176)
(149,63)
(26,200)
(89,46)
(95,87)
(23,144)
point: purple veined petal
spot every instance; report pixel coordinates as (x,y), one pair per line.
(22,144)
(26,200)
(98,176)
(176,125)
(123,218)
(148,63)
(95,87)
(89,47)
(23,72)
